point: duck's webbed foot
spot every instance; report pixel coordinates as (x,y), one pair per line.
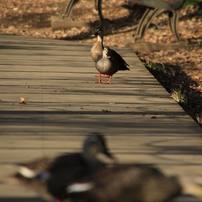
(109,82)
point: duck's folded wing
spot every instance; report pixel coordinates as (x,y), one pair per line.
(122,63)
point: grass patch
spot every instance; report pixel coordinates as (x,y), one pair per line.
(178,96)
(199,119)
(179,85)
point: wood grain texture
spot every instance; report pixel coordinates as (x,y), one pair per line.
(64,103)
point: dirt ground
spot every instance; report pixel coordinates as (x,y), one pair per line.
(179,71)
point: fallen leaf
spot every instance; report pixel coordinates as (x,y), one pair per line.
(105,110)
(153,117)
(22,101)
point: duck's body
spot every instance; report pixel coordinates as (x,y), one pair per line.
(104,65)
(128,183)
(54,174)
(110,63)
(107,61)
(67,169)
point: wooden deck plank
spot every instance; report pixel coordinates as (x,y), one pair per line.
(64,103)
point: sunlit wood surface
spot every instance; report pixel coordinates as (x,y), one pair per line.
(64,103)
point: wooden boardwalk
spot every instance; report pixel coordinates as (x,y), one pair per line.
(64,103)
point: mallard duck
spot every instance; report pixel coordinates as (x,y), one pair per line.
(107,61)
(77,165)
(50,176)
(130,183)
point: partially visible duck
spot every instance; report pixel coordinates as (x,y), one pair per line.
(35,167)
(35,184)
(107,61)
(110,63)
(130,183)
(50,176)
(96,50)
(77,165)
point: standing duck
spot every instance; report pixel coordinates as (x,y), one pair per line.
(131,183)
(50,176)
(107,61)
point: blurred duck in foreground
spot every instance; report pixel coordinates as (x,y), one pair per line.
(49,177)
(131,183)
(107,61)
(82,177)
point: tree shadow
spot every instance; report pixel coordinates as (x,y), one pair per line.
(35,20)
(112,27)
(23,199)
